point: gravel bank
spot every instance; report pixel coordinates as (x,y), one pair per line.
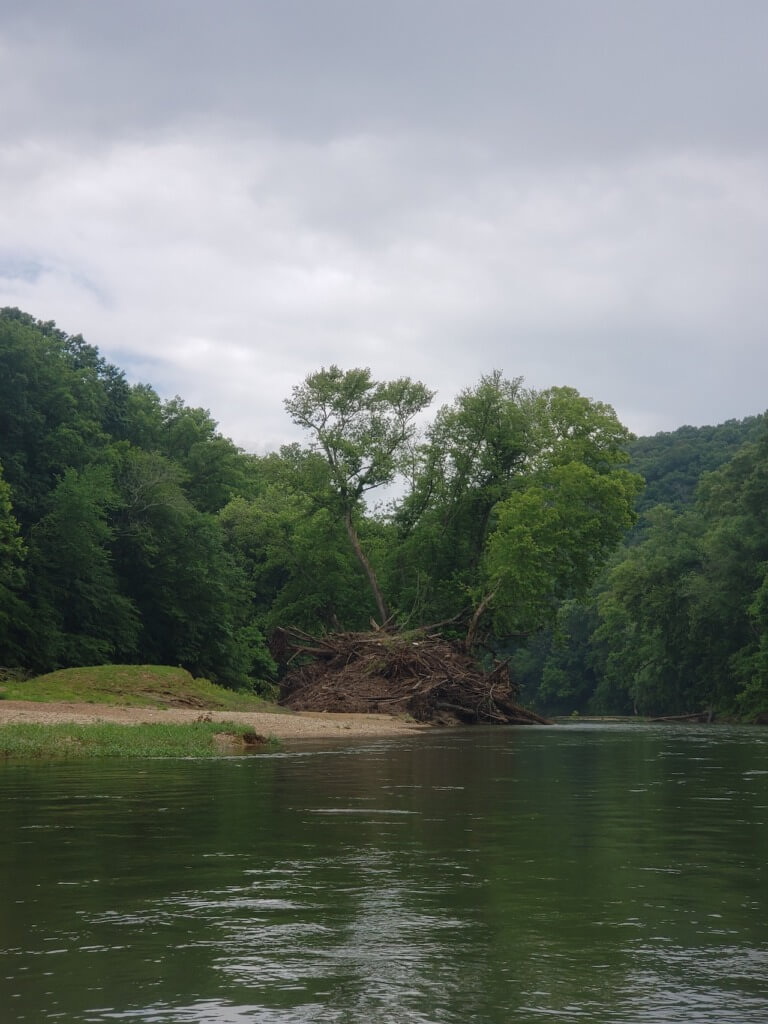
(300,726)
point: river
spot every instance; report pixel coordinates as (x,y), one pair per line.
(578,873)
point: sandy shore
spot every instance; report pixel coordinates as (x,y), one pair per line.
(302,726)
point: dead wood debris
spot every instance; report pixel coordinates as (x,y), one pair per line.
(697,717)
(413,673)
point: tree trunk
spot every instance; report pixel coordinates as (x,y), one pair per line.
(369,571)
(479,612)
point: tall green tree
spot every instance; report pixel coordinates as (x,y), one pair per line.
(363,429)
(53,406)
(174,567)
(751,663)
(517,501)
(476,450)
(643,647)
(80,615)
(12,554)
(298,562)
(549,543)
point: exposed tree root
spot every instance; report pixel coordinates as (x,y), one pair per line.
(411,673)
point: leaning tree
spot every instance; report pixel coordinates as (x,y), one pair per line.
(363,429)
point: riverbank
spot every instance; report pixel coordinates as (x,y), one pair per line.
(164,700)
(272,725)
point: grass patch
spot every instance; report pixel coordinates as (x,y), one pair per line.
(153,686)
(107,739)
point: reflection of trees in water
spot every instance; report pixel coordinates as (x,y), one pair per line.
(492,875)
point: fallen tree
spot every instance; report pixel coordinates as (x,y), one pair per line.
(414,673)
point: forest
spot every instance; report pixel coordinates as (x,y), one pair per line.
(614,575)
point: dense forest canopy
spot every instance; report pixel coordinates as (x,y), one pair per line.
(131,530)
(678,621)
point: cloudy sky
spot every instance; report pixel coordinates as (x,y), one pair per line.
(224,197)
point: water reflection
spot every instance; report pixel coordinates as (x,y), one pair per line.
(579,874)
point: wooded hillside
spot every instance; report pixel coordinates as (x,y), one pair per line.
(132,531)
(679,620)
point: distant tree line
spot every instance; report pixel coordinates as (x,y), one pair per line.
(131,530)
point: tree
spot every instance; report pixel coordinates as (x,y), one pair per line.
(519,497)
(294,549)
(567,427)
(363,429)
(12,553)
(673,463)
(172,563)
(751,663)
(683,614)
(642,645)
(53,404)
(550,541)
(477,449)
(80,615)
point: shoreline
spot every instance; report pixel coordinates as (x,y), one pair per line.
(302,725)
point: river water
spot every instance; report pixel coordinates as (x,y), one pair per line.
(601,874)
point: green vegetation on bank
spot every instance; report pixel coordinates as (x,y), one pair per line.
(133,532)
(67,740)
(678,622)
(149,686)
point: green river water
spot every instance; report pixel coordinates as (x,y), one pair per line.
(577,873)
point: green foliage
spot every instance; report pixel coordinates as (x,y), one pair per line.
(476,449)
(192,593)
(363,429)
(750,664)
(12,553)
(518,499)
(54,403)
(678,622)
(643,635)
(552,667)
(673,463)
(359,425)
(569,428)
(113,491)
(131,530)
(132,685)
(294,551)
(80,615)
(66,741)
(551,539)
(214,468)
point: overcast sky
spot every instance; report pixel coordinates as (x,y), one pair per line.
(225,197)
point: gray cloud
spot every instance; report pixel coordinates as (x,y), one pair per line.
(225,199)
(534,77)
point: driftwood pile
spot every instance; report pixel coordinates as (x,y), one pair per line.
(695,717)
(424,676)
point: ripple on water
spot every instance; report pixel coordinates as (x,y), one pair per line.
(575,876)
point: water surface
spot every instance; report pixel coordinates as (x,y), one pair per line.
(611,874)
